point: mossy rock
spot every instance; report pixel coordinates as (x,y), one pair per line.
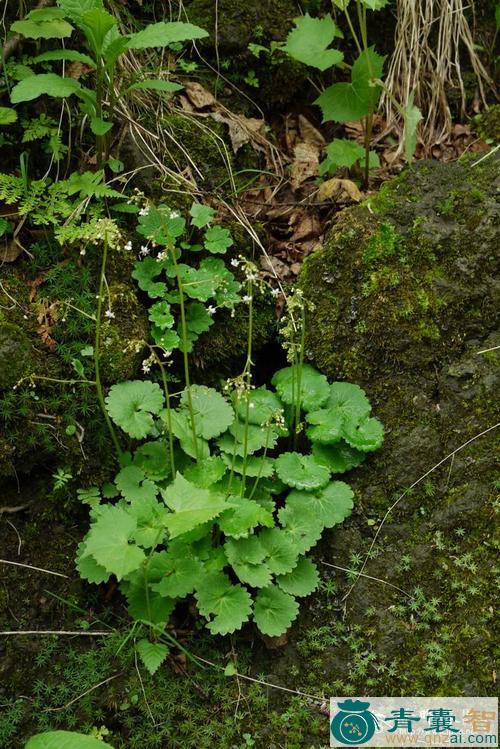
(123,336)
(488,124)
(15,348)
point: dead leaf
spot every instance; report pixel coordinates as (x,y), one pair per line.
(199,96)
(242,130)
(340,189)
(309,133)
(305,225)
(77,69)
(305,163)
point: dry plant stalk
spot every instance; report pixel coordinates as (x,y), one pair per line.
(430,37)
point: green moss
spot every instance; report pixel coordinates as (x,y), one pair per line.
(488,124)
(382,245)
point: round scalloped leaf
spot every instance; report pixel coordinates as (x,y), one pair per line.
(207,472)
(134,486)
(181,428)
(212,413)
(253,438)
(88,568)
(314,388)
(301,471)
(338,458)
(108,541)
(302,580)
(274,611)
(350,399)
(243,517)
(249,550)
(281,554)
(255,575)
(256,465)
(366,436)
(301,526)
(161,316)
(181,579)
(153,459)
(330,506)
(326,426)
(7,115)
(65,740)
(133,404)
(263,405)
(230,605)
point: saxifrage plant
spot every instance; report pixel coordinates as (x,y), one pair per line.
(220,495)
(105,45)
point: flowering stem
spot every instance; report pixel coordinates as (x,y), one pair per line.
(169,416)
(299,374)
(247,373)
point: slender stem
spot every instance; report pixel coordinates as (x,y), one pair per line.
(184,350)
(97,346)
(263,458)
(299,374)
(352,30)
(169,414)
(99,142)
(247,372)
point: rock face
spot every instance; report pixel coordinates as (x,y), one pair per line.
(406,292)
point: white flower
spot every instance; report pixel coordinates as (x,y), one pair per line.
(161,256)
(144,211)
(146,366)
(144,250)
(174,214)
(235,262)
(128,246)
(275,292)
(247,298)
(109,314)
(83,251)
(211,310)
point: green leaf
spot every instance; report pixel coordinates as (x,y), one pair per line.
(366,436)
(212,413)
(133,404)
(74,9)
(341,153)
(249,440)
(96,24)
(100,126)
(330,506)
(65,740)
(162,34)
(343,102)
(133,485)
(206,472)
(152,654)
(255,465)
(301,471)
(244,516)
(145,604)
(198,319)
(341,4)
(181,579)
(65,54)
(375,4)
(338,458)
(182,429)
(314,388)
(412,116)
(161,316)
(161,224)
(281,555)
(263,406)
(274,611)
(301,526)
(154,84)
(88,568)
(249,550)
(190,505)
(201,215)
(230,605)
(47,83)
(255,575)
(217,239)
(350,400)
(301,581)
(145,272)
(309,40)
(7,115)
(326,426)
(108,541)
(48,25)
(167,339)
(153,459)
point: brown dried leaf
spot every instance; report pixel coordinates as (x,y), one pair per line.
(305,225)
(340,189)
(242,130)
(309,133)
(9,251)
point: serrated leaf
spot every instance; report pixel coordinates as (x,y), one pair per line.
(88,568)
(164,33)
(161,225)
(133,404)
(133,485)
(338,458)
(147,605)
(326,426)
(7,115)
(65,740)
(244,516)
(303,528)
(263,405)
(343,102)
(314,388)
(302,580)
(152,654)
(154,84)
(167,339)
(201,215)
(108,541)
(341,153)
(65,54)
(330,506)
(274,611)
(46,83)
(181,579)
(255,575)
(229,605)
(281,555)
(309,40)
(190,505)
(151,517)
(301,471)
(74,9)
(350,399)
(367,435)
(212,413)
(249,550)
(217,239)
(206,472)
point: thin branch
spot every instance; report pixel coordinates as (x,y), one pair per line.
(38,569)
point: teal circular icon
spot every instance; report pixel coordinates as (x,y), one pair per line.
(353,724)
